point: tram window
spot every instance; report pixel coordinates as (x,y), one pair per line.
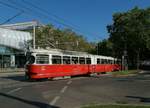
(88,60)
(102,61)
(42,59)
(81,60)
(56,59)
(98,61)
(106,61)
(74,60)
(110,61)
(66,60)
(113,61)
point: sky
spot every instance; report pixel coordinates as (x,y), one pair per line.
(88,17)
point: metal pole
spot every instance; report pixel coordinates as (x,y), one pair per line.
(33,37)
(2,62)
(97,48)
(123,62)
(138,59)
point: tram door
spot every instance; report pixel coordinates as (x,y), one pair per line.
(93,68)
(92,65)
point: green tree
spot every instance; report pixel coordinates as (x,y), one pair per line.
(104,47)
(131,31)
(66,39)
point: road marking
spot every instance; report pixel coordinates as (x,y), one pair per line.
(69,82)
(53,102)
(14,90)
(63,89)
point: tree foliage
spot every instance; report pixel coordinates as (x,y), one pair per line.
(66,39)
(104,47)
(131,31)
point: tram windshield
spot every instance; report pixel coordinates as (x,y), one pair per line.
(30,60)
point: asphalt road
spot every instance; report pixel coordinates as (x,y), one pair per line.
(15,92)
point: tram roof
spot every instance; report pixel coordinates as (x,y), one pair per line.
(58,51)
(67,52)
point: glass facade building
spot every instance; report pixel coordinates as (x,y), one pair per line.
(13,45)
(10,57)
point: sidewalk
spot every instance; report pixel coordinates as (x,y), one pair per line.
(5,74)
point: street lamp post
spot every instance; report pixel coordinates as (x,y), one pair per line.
(34,37)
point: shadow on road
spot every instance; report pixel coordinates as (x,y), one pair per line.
(142,99)
(33,103)
(16,78)
(22,79)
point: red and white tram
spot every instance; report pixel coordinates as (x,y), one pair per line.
(59,63)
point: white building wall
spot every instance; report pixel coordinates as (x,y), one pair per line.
(14,39)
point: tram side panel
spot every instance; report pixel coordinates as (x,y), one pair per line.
(51,71)
(104,68)
(99,68)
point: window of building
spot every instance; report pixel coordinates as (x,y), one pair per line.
(88,60)
(56,59)
(66,60)
(42,59)
(74,60)
(6,61)
(81,60)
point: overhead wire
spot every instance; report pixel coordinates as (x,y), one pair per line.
(37,13)
(55,16)
(27,10)
(14,7)
(11,18)
(24,9)
(48,13)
